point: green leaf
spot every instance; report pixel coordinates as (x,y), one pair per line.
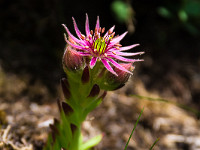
(192,7)
(183,15)
(75,144)
(133,129)
(121,10)
(164,12)
(92,142)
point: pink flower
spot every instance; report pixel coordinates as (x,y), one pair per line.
(99,47)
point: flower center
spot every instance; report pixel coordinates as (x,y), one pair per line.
(100,45)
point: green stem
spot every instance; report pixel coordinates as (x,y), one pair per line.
(78,103)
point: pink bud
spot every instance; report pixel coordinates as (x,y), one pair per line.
(122,75)
(71,59)
(116,82)
(112,82)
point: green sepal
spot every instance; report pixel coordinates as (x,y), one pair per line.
(83,96)
(91,143)
(92,106)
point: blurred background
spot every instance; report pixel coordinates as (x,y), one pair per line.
(166,84)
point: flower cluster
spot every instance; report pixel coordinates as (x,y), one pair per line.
(105,48)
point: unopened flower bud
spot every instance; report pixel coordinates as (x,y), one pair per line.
(72,59)
(122,75)
(113,82)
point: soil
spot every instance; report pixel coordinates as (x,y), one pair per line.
(25,123)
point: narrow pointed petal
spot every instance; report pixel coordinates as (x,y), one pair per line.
(118,39)
(118,65)
(76,28)
(75,46)
(111,29)
(98,23)
(108,67)
(84,54)
(128,47)
(70,35)
(125,59)
(93,62)
(87,27)
(128,54)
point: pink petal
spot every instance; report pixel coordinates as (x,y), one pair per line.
(111,29)
(118,65)
(98,23)
(84,54)
(125,59)
(108,67)
(70,35)
(75,46)
(93,62)
(128,47)
(76,28)
(128,54)
(118,39)
(87,27)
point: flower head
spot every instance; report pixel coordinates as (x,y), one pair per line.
(105,48)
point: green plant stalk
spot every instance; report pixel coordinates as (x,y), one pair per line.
(81,97)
